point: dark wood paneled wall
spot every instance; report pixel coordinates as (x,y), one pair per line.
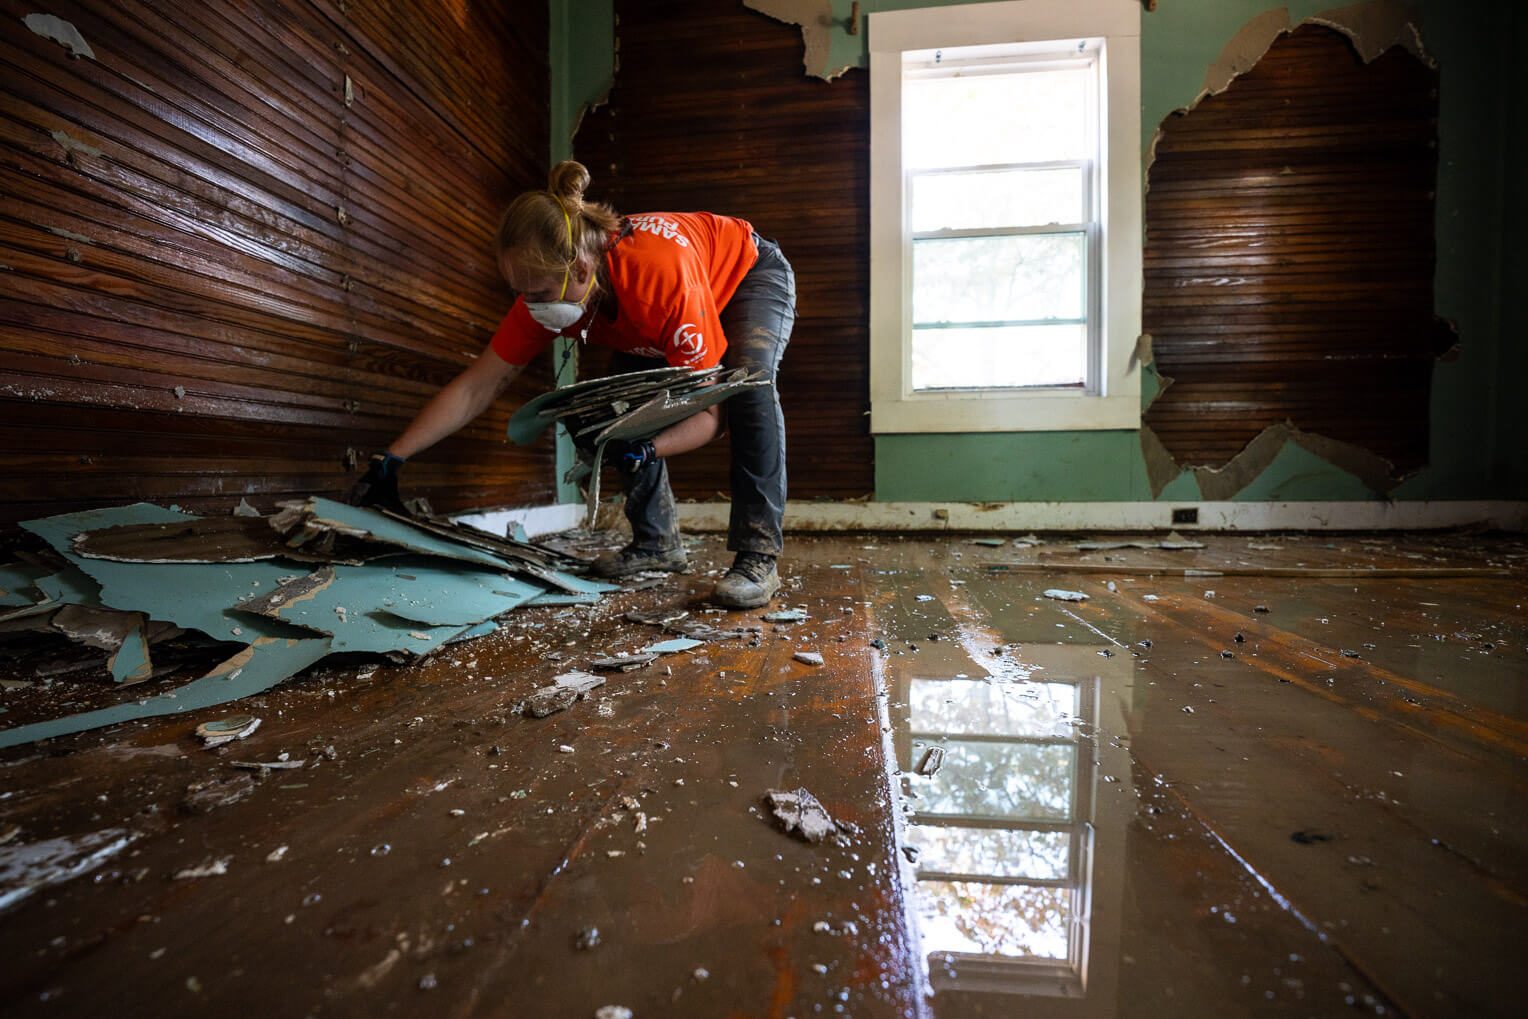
(711,111)
(1290,252)
(246,239)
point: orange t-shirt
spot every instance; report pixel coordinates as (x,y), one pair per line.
(672,275)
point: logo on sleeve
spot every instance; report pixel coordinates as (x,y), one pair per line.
(689,341)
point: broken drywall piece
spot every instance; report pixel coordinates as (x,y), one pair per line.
(1222,483)
(32,866)
(1161,468)
(624,663)
(244,509)
(18,584)
(563,691)
(355,605)
(195,596)
(1058,594)
(51,26)
(257,668)
(312,519)
(225,730)
(231,539)
(669,647)
(799,811)
(808,657)
(130,663)
(482,629)
(815,17)
(931,762)
(1375,26)
(785,616)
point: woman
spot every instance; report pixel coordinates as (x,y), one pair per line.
(692,289)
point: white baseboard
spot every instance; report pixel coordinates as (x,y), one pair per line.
(536,520)
(1125,516)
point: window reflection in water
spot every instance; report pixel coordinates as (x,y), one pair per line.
(1003,827)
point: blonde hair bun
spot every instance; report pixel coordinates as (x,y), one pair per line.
(568,181)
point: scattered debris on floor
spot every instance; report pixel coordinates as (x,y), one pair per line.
(670,647)
(562,693)
(808,657)
(225,730)
(785,616)
(31,866)
(624,663)
(1059,595)
(931,761)
(1174,542)
(258,599)
(799,811)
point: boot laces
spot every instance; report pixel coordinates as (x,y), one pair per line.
(753,565)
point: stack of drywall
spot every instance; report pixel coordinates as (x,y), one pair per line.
(637,405)
(317,578)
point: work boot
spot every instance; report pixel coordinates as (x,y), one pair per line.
(751,582)
(632,559)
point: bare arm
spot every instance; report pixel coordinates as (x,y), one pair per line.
(462,400)
(691,433)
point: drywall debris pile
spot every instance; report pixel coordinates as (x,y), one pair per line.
(269,596)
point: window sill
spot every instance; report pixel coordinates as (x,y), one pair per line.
(1045,410)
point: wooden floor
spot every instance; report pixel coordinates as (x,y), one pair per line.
(1137,813)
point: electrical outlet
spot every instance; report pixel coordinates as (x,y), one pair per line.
(1186,515)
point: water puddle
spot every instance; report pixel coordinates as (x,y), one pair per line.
(1002,777)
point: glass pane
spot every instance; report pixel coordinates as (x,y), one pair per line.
(1032,854)
(958,706)
(979,120)
(1011,780)
(999,279)
(999,357)
(998,198)
(981,919)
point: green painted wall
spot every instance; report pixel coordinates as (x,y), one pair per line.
(581,48)
(1477,433)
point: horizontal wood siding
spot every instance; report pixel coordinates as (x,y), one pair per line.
(1289,255)
(711,111)
(219,279)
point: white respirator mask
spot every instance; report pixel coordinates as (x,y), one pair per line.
(560,314)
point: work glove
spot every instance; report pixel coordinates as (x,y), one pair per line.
(631,455)
(378,487)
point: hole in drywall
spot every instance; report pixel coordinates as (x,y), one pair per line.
(1185,515)
(1290,255)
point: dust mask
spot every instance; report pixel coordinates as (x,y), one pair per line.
(560,314)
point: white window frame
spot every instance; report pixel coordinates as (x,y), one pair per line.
(1113,400)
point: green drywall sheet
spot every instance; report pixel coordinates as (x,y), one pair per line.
(196,596)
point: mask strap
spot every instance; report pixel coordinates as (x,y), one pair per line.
(565,272)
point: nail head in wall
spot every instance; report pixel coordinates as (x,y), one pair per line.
(51,26)
(349,91)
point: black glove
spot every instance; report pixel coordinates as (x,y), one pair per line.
(631,455)
(378,487)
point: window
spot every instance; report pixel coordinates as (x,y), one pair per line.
(1005,217)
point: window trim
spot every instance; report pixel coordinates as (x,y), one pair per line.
(895,406)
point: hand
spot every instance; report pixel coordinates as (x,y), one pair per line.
(630,456)
(378,487)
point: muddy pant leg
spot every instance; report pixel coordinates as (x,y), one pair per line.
(758,321)
(650,507)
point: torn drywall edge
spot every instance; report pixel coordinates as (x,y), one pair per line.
(1161,468)
(537,520)
(1373,26)
(1222,483)
(817,23)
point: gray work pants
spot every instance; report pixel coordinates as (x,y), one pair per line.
(757,322)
